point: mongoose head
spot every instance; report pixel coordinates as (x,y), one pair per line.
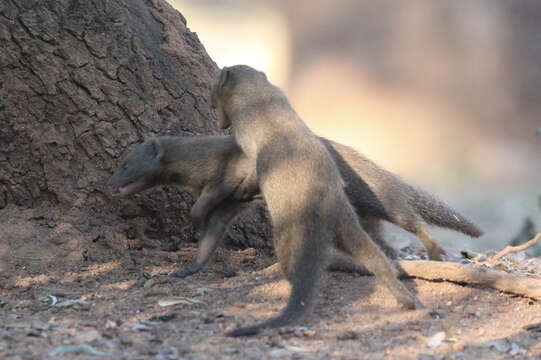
(234,83)
(140,169)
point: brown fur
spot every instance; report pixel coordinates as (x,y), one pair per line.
(303,190)
(197,163)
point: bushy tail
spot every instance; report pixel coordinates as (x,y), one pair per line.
(304,276)
(435,212)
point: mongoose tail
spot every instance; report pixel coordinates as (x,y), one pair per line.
(437,213)
(297,306)
(303,277)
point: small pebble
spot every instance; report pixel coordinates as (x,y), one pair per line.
(110,324)
(436,340)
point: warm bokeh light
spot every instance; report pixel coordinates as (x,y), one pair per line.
(235,33)
(443,94)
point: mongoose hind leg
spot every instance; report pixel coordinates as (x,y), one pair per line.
(372,226)
(213,232)
(208,243)
(303,273)
(340,261)
(211,196)
(433,249)
(355,241)
(418,227)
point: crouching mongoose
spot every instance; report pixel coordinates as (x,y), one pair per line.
(302,187)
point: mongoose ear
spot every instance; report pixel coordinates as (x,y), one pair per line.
(155,149)
(223,77)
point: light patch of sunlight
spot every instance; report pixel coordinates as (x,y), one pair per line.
(158,270)
(253,34)
(274,289)
(92,271)
(32,280)
(121,285)
(395,129)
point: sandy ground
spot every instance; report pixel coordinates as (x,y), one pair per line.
(120,317)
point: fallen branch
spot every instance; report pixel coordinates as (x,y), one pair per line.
(518,248)
(475,275)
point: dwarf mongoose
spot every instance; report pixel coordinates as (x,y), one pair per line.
(302,187)
(195,163)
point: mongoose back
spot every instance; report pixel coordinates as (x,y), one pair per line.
(303,190)
(196,164)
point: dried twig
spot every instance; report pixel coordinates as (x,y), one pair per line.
(442,270)
(518,248)
(460,273)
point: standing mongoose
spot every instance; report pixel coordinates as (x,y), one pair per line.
(302,187)
(198,163)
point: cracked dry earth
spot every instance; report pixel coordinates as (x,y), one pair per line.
(119,315)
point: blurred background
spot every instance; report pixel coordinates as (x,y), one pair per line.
(445,94)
